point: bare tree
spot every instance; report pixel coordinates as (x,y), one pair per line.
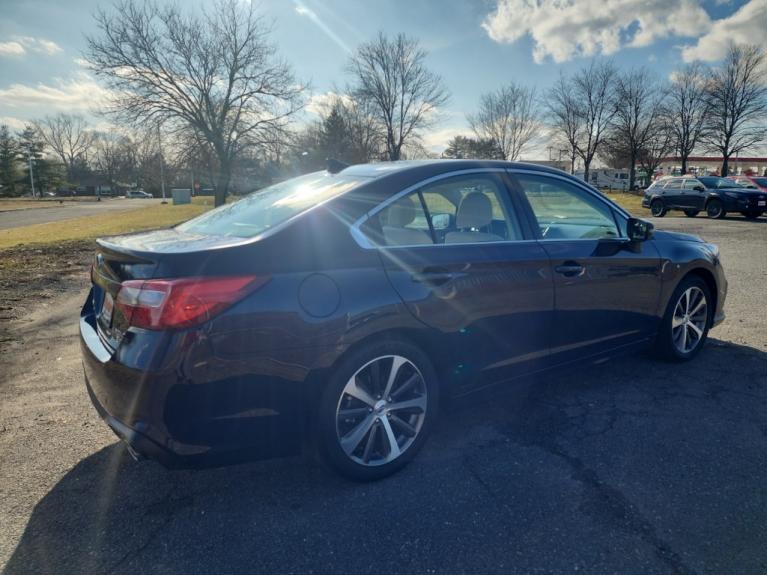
(638,105)
(69,138)
(686,110)
(215,72)
(656,148)
(508,117)
(593,91)
(737,97)
(565,117)
(113,157)
(406,95)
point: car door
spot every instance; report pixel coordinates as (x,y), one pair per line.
(672,193)
(606,288)
(693,194)
(466,265)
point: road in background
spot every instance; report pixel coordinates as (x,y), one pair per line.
(632,466)
(68,211)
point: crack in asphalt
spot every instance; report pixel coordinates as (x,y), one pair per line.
(167,506)
(540,429)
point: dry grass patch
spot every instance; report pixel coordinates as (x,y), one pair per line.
(89,227)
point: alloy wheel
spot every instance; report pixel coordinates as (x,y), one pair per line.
(657,208)
(689,321)
(714,209)
(381,410)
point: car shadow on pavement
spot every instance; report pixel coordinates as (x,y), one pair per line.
(622,447)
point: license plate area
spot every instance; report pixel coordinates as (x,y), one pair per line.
(761,203)
(107,307)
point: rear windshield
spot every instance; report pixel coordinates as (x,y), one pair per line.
(269,207)
(761,182)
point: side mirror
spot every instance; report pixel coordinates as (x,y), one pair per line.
(639,230)
(699,189)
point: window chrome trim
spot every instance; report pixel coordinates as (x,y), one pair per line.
(365,243)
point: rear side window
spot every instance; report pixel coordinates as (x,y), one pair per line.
(674,183)
(459,210)
(691,184)
(267,208)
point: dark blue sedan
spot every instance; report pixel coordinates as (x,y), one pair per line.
(336,310)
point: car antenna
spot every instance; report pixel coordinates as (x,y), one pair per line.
(334,166)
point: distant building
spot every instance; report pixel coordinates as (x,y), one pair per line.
(711,165)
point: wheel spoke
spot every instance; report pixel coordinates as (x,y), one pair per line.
(403,425)
(351,440)
(700,306)
(394,450)
(354,389)
(370,443)
(353,412)
(676,321)
(683,343)
(397,363)
(687,301)
(405,387)
(696,329)
(415,403)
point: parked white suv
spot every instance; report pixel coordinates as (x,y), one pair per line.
(137,194)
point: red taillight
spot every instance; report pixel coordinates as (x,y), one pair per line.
(164,304)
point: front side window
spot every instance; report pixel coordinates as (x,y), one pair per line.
(715,182)
(564,211)
(460,210)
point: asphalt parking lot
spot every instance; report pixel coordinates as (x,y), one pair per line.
(631,466)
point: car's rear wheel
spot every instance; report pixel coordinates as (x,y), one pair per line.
(658,208)
(685,325)
(691,213)
(377,410)
(715,209)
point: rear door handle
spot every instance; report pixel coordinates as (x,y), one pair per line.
(570,269)
(433,276)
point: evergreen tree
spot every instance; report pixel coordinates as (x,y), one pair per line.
(48,175)
(334,136)
(9,160)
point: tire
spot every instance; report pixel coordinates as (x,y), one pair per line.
(715,209)
(354,433)
(691,213)
(678,324)
(752,215)
(658,208)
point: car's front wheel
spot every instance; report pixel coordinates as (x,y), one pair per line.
(685,325)
(377,410)
(715,209)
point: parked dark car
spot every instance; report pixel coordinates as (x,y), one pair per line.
(751,182)
(712,194)
(337,310)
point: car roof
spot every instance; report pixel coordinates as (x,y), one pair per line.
(439,166)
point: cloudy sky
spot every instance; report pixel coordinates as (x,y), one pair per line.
(474,44)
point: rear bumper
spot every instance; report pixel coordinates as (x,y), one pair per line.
(163,415)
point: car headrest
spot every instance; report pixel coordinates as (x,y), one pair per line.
(401,213)
(474,211)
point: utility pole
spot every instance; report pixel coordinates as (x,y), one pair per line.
(162,168)
(31,175)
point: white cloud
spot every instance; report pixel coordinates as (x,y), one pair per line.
(320,104)
(20,45)
(563,29)
(11,49)
(437,140)
(13,123)
(78,94)
(746,26)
